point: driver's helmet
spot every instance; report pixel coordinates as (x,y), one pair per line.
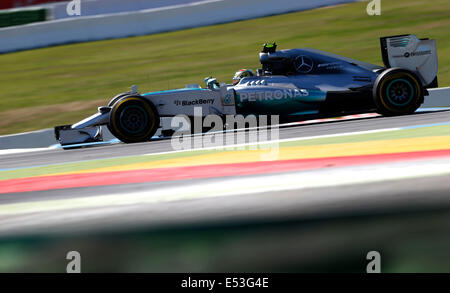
(240,74)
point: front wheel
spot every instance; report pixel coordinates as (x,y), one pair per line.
(118,97)
(397,92)
(133,119)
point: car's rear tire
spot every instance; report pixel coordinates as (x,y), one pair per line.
(133,119)
(397,92)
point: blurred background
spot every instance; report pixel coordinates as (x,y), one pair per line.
(159,61)
(66,65)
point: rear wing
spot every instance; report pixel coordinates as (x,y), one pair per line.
(416,55)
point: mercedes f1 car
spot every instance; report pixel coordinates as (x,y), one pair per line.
(290,83)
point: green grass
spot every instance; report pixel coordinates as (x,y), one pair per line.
(60,76)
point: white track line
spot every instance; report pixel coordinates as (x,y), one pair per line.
(232,186)
(276,141)
(319,121)
(18,151)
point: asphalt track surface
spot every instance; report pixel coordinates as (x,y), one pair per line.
(430,191)
(56,156)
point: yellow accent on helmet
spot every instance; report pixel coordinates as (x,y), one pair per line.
(240,74)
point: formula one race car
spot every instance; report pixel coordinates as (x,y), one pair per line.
(291,83)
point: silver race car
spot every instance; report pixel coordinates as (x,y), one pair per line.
(291,83)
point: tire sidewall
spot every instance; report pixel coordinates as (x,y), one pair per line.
(384,103)
(116,98)
(116,123)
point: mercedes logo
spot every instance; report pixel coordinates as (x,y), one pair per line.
(303,64)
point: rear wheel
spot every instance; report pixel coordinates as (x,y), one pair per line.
(133,119)
(397,92)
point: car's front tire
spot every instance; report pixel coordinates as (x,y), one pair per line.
(133,119)
(397,92)
(118,97)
